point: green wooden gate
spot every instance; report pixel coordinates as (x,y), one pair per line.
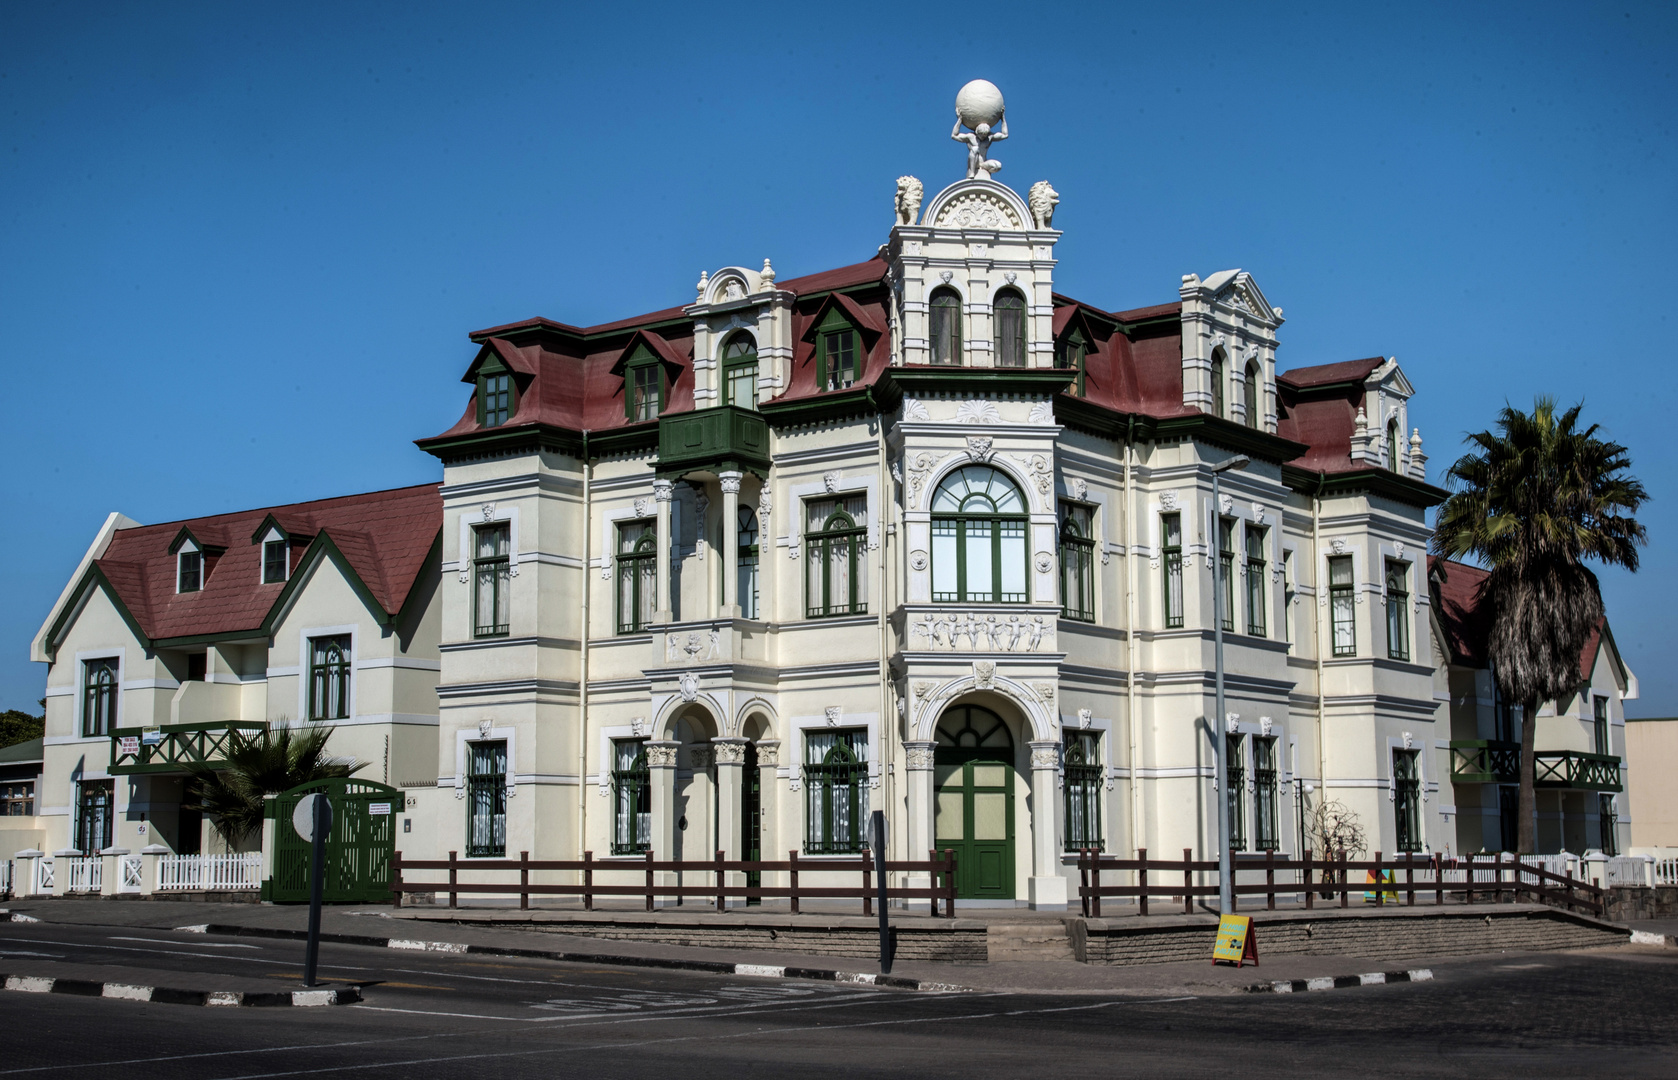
(359,845)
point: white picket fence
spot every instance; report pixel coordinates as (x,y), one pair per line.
(210,872)
(1666,870)
(83,873)
(6,883)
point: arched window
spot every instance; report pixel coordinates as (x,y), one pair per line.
(1217,382)
(1010,329)
(836,780)
(836,531)
(99,697)
(978,538)
(946,327)
(1250,396)
(746,572)
(1392,444)
(329,677)
(739,371)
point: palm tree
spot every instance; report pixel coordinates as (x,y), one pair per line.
(1535,500)
(277,760)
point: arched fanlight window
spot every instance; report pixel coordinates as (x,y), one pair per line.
(946,327)
(1392,444)
(1250,395)
(739,371)
(1217,382)
(1010,329)
(978,538)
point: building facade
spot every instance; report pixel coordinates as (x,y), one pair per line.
(920,534)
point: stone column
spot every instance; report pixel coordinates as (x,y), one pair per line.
(1048,888)
(662,490)
(919,756)
(769,794)
(730,482)
(661,768)
(730,755)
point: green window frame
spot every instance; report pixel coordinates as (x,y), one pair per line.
(979,550)
(1285,616)
(276,561)
(95,810)
(1218,371)
(1257,571)
(1342,612)
(497,393)
(739,371)
(1226,569)
(99,697)
(486,799)
(1407,800)
(1608,821)
(1599,724)
(1009,313)
(643,386)
(1081,784)
(491,578)
(836,791)
(1266,831)
(329,677)
(632,797)
(1235,791)
(1398,610)
(189,575)
(945,319)
(1171,568)
(637,575)
(746,563)
(1077,561)
(836,565)
(1250,395)
(1074,354)
(838,352)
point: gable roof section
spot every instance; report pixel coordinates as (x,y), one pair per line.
(381,538)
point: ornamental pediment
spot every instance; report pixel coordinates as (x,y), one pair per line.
(977,204)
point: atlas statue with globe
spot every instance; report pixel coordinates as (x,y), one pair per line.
(979,107)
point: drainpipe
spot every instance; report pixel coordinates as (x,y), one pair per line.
(1317,581)
(1132,739)
(888,718)
(582,678)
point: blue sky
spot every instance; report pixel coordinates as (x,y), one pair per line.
(241,246)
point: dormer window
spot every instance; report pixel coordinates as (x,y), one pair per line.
(1072,353)
(189,569)
(739,371)
(946,326)
(643,386)
(495,393)
(1250,391)
(1392,444)
(276,562)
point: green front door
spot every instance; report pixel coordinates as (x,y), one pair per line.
(975,808)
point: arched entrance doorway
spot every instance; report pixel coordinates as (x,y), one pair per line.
(974,813)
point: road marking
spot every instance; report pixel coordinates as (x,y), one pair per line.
(201,944)
(425,946)
(202,956)
(227,1053)
(124,992)
(21,952)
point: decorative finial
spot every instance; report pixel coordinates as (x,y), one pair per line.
(979,106)
(768,275)
(1362,421)
(704,280)
(1415,439)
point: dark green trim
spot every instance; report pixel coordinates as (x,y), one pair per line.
(203,548)
(833,405)
(93,577)
(1372,479)
(1215,431)
(272,522)
(897,381)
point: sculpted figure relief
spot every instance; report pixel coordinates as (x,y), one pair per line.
(908,200)
(980,165)
(1042,199)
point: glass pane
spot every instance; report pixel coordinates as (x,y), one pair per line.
(990,775)
(839,559)
(949,823)
(1013,560)
(981,573)
(990,816)
(1340,571)
(942,773)
(944,560)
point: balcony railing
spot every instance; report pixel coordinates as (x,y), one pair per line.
(1491,761)
(1575,769)
(1485,761)
(172,747)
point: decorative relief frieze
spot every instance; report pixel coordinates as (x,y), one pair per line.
(1041,472)
(729,753)
(661,754)
(688,686)
(1080,490)
(984,675)
(978,412)
(977,210)
(917,560)
(1168,501)
(1041,413)
(1045,757)
(991,633)
(920,468)
(643,507)
(921,756)
(768,753)
(1084,718)
(915,409)
(830,481)
(1044,562)
(729,482)
(832,712)
(979,448)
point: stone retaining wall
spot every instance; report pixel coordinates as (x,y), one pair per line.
(964,945)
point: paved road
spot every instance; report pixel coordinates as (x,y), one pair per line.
(1601,1013)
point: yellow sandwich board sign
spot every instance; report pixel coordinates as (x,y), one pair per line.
(1236,942)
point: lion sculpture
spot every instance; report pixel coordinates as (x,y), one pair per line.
(908,200)
(1042,200)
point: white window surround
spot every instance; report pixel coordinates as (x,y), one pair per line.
(792,765)
(867,483)
(611,519)
(608,736)
(79,690)
(303,638)
(272,536)
(487,514)
(188,548)
(476,735)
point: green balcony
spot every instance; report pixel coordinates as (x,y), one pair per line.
(1485,761)
(1575,770)
(172,747)
(723,437)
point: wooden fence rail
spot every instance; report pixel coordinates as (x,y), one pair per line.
(940,866)
(1468,879)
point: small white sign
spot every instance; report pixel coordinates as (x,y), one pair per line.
(151,736)
(128,744)
(378,808)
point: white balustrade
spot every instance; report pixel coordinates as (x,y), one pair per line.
(210,872)
(83,873)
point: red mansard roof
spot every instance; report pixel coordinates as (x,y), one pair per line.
(1466,620)
(1318,406)
(383,535)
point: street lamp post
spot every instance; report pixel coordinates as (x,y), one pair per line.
(1221,738)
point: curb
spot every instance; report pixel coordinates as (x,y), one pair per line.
(1644,937)
(710,967)
(1341,982)
(30,984)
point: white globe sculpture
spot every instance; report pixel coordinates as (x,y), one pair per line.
(979,102)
